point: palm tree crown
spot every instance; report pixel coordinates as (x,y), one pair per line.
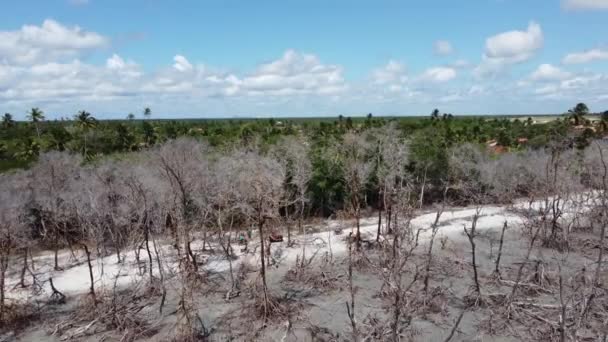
(7,120)
(578,112)
(84,120)
(35,115)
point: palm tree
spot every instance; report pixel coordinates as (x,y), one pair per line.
(131,117)
(85,121)
(578,112)
(435,114)
(147,112)
(36,116)
(7,120)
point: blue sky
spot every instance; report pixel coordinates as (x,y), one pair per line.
(302,58)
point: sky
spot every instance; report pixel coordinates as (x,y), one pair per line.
(285,58)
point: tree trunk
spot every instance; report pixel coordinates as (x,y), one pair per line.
(422,188)
(56,252)
(471,236)
(147,238)
(263,266)
(3,267)
(190,253)
(389,214)
(116,242)
(358,218)
(92,287)
(350,309)
(379,224)
(300,217)
(162,277)
(24,268)
(396,312)
(502,239)
(288,234)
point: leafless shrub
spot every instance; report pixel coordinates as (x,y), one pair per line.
(115,311)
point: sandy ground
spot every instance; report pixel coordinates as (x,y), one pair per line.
(322,310)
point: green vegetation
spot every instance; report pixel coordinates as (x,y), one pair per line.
(429,137)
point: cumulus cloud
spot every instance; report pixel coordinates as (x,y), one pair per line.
(515,46)
(438,74)
(122,67)
(392,72)
(509,48)
(443,48)
(588,86)
(548,72)
(586,56)
(182,64)
(293,73)
(51,41)
(585,4)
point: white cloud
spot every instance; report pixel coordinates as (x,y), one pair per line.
(293,73)
(443,48)
(586,56)
(509,48)
(585,4)
(122,67)
(585,86)
(548,72)
(181,63)
(51,41)
(392,72)
(515,46)
(438,74)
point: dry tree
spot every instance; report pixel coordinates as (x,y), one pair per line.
(52,175)
(392,157)
(260,183)
(293,152)
(109,180)
(226,212)
(182,166)
(429,254)
(467,164)
(87,211)
(142,195)
(13,199)
(352,153)
(398,259)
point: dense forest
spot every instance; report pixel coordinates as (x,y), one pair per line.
(135,189)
